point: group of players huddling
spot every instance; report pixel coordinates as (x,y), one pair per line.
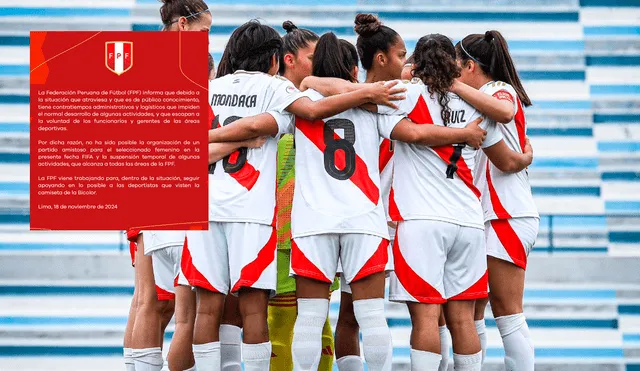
(379,161)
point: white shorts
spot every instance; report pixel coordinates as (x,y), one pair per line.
(166,264)
(230,256)
(317,257)
(156,240)
(344,286)
(438,261)
(511,239)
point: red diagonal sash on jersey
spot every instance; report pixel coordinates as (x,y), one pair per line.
(385,153)
(464,173)
(314,131)
(500,211)
(520,125)
(421,115)
(247,176)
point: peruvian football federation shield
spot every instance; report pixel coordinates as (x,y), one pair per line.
(119,56)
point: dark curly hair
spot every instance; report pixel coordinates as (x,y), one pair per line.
(435,64)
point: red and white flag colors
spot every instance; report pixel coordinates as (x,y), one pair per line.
(119,56)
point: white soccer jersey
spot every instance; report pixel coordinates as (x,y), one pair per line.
(436,183)
(337,179)
(242,186)
(504,195)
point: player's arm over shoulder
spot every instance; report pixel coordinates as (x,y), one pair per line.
(413,90)
(503,157)
(496,102)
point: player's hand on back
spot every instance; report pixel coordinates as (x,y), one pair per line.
(385,93)
(255,142)
(475,134)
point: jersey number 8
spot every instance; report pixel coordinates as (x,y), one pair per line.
(334,143)
(241,157)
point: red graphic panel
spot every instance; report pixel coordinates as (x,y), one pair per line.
(118,144)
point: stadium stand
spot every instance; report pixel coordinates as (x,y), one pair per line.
(64,296)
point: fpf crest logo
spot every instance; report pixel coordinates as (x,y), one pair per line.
(118,56)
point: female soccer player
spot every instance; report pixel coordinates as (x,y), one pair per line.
(238,252)
(382,54)
(298,46)
(510,214)
(440,214)
(165,247)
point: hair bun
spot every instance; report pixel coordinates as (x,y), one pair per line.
(488,36)
(289,26)
(167,1)
(367,24)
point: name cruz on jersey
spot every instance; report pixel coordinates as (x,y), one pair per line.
(337,183)
(436,183)
(505,195)
(242,186)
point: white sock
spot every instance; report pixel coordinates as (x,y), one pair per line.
(257,357)
(306,348)
(445,346)
(424,361)
(207,356)
(128,359)
(230,348)
(481,328)
(350,363)
(376,336)
(148,359)
(518,348)
(467,362)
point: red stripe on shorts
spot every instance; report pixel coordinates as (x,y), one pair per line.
(251,272)
(478,290)
(191,273)
(511,242)
(376,263)
(132,250)
(411,281)
(303,267)
(164,294)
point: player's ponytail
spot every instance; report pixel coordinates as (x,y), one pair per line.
(373,37)
(334,58)
(435,64)
(172,10)
(224,65)
(491,52)
(294,40)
